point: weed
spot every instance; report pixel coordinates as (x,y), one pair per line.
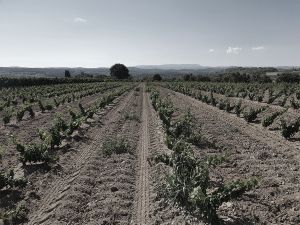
(131,116)
(117,146)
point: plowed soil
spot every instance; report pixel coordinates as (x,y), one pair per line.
(86,186)
(254,151)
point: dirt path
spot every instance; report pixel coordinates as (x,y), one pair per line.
(142,205)
(75,177)
(255,151)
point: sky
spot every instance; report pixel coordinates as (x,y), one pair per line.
(99,33)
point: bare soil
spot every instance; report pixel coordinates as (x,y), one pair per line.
(86,186)
(254,151)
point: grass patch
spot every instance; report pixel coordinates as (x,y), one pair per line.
(116,146)
(131,116)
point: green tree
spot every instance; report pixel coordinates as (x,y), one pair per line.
(119,71)
(157,77)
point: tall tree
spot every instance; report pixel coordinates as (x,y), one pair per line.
(119,71)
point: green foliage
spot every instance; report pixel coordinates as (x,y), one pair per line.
(289,130)
(73,125)
(30,110)
(164,107)
(184,127)
(189,184)
(156,77)
(131,116)
(268,120)
(73,114)
(294,104)
(35,152)
(41,105)
(15,216)
(116,146)
(119,71)
(213,101)
(238,108)
(20,114)
(7,114)
(56,102)
(251,115)
(1,152)
(82,110)
(7,180)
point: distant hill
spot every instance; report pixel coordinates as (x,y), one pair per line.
(169,70)
(173,67)
(166,70)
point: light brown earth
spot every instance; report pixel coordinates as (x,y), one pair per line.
(87,187)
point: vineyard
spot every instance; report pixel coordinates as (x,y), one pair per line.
(149,153)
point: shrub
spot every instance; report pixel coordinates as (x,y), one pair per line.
(8,180)
(1,152)
(221,105)
(251,115)
(82,110)
(35,152)
(184,127)
(30,110)
(73,125)
(41,105)
(15,216)
(48,106)
(290,130)
(20,114)
(73,114)
(238,108)
(268,120)
(56,102)
(294,104)
(213,101)
(7,114)
(228,107)
(189,186)
(117,146)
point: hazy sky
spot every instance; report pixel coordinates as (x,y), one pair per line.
(94,33)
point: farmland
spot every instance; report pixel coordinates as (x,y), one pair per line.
(150,153)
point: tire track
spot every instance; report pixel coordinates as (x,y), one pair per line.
(142,205)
